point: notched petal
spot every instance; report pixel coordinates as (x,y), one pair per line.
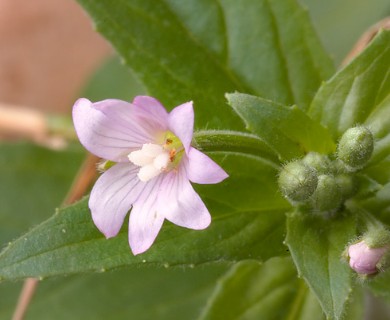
(201,169)
(145,221)
(110,128)
(152,108)
(112,197)
(180,204)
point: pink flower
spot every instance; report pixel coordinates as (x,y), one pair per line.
(154,166)
(364,259)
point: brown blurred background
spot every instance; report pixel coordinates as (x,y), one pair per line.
(48,50)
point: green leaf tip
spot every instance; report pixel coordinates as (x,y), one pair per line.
(287,130)
(358,93)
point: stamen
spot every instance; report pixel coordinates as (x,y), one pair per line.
(172,155)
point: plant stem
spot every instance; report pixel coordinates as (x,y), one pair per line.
(234,142)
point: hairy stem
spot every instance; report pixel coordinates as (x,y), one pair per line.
(235,142)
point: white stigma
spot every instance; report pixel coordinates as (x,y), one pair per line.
(152,158)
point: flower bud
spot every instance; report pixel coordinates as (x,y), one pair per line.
(318,161)
(327,196)
(364,259)
(297,181)
(355,147)
(347,184)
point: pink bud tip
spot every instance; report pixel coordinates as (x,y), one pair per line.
(364,259)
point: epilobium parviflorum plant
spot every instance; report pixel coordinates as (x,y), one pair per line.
(248,179)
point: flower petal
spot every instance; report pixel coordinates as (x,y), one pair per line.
(181,123)
(152,108)
(180,204)
(145,220)
(364,259)
(112,128)
(112,196)
(201,169)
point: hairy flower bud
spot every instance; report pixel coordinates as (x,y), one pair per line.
(318,161)
(327,196)
(355,147)
(347,184)
(364,259)
(297,181)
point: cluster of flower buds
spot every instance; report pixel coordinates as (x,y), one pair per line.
(325,182)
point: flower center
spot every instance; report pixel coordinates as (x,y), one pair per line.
(157,158)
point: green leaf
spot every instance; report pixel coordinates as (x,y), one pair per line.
(359,93)
(198,50)
(379,285)
(306,306)
(139,293)
(316,246)
(131,293)
(378,204)
(356,306)
(380,171)
(34,180)
(77,246)
(9,292)
(112,80)
(248,222)
(379,123)
(268,291)
(286,130)
(257,191)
